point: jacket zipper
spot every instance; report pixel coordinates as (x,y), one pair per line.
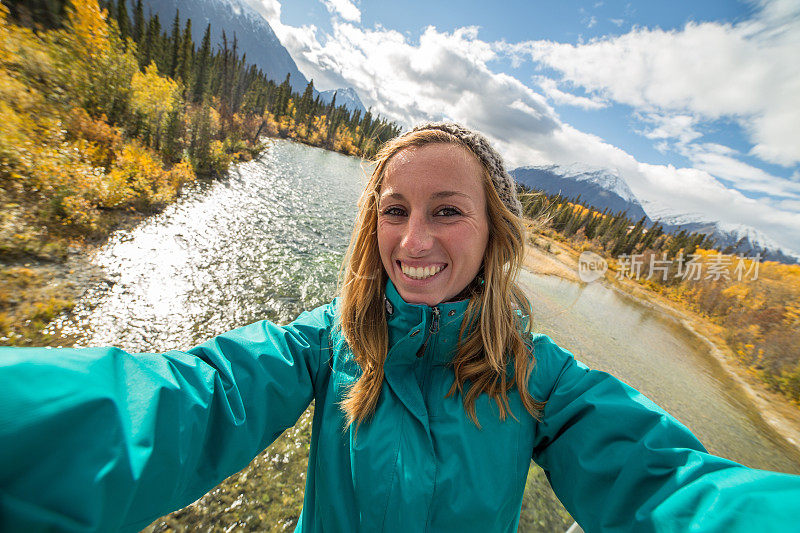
(433,329)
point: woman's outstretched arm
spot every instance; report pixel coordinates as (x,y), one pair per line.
(98,439)
(620,463)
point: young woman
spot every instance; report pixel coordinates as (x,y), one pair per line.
(431,394)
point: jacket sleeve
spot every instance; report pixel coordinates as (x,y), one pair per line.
(620,463)
(98,439)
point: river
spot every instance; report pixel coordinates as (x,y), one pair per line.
(267,243)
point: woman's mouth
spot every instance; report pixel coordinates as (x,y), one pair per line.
(421,273)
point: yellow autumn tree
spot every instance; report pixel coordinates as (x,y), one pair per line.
(96,67)
(152,98)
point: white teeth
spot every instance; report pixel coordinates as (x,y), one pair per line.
(421,273)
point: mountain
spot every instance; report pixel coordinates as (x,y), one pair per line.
(347,97)
(731,238)
(604,188)
(598,187)
(253,33)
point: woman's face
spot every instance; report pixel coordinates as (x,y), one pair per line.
(432,222)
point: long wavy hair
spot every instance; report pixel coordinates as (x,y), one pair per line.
(492,355)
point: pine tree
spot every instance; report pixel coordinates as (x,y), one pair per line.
(123,20)
(304,106)
(226,88)
(171,147)
(175,41)
(138,22)
(203,67)
(186,56)
(284,94)
(591,228)
(333,122)
(152,41)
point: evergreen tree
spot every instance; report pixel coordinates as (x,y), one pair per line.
(284,94)
(203,66)
(652,235)
(226,81)
(152,43)
(175,41)
(138,22)
(171,147)
(186,56)
(332,105)
(590,230)
(334,118)
(123,20)
(304,106)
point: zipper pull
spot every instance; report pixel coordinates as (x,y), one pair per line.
(433,329)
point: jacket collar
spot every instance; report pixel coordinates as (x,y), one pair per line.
(410,324)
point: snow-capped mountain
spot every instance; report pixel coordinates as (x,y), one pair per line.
(605,189)
(254,35)
(733,238)
(598,187)
(347,97)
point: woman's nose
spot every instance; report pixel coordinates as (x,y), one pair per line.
(418,238)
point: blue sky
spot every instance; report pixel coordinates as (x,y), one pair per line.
(695,104)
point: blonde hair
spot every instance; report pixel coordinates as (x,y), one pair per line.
(492,334)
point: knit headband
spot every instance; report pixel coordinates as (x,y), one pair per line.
(503,183)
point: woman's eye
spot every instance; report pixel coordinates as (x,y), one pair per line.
(393,212)
(448,212)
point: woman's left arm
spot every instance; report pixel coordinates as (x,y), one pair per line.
(618,462)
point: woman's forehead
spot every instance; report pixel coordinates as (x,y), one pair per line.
(439,161)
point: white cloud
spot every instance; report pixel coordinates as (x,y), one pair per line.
(721,161)
(746,71)
(444,75)
(344,8)
(269,9)
(789,205)
(679,127)
(550,88)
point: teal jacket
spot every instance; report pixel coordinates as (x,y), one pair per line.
(98,439)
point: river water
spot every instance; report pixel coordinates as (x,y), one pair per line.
(267,243)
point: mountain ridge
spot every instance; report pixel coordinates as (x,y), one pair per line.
(606,189)
(254,35)
(346,97)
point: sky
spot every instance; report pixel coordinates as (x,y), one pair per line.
(695,104)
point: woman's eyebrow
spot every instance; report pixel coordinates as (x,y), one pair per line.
(440,194)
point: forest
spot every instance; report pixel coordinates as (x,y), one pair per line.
(757,303)
(105,111)
(108,113)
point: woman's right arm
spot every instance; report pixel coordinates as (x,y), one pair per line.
(98,439)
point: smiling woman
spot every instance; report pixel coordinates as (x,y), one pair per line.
(432,395)
(432,222)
